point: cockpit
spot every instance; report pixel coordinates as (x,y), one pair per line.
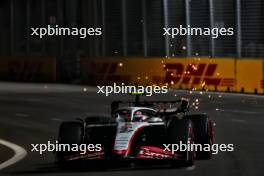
(134,115)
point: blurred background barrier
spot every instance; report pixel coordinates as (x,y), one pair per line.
(214,74)
(134,29)
(250,76)
(28,69)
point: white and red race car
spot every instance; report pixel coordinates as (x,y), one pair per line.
(139,131)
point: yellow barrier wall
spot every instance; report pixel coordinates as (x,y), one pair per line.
(221,74)
(250,76)
(28,69)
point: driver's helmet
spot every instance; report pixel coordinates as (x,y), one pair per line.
(139,117)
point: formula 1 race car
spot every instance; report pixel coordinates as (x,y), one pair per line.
(139,131)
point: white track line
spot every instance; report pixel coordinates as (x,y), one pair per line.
(238,120)
(20,153)
(191,168)
(57,119)
(21,115)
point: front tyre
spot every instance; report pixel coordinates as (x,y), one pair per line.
(181,131)
(203,133)
(69,133)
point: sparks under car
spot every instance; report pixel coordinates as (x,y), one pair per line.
(138,131)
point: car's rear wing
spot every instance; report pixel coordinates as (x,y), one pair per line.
(164,107)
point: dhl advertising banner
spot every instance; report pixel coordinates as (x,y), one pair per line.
(26,69)
(215,74)
(250,76)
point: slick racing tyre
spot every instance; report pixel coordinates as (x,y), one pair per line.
(203,133)
(69,133)
(181,131)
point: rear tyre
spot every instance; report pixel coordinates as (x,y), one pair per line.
(181,131)
(203,133)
